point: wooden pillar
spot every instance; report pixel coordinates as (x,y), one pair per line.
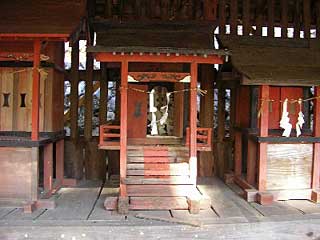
(296,19)
(222,17)
(246,17)
(318,19)
(103,104)
(259,17)
(205,162)
(123,127)
(48,168)
(193,122)
(60,161)
(74,95)
(234,17)
(221,132)
(284,18)
(316,150)
(263,132)
(238,136)
(35,90)
(271,10)
(34,173)
(178,110)
(210,12)
(306,18)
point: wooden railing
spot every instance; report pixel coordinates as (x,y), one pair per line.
(250,17)
(109,137)
(204,139)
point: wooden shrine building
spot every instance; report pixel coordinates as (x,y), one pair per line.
(157,171)
(201,88)
(31,84)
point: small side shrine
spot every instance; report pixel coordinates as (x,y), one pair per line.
(277,125)
(157,136)
(31,99)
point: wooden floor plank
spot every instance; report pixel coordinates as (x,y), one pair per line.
(74,203)
(225,202)
(276,209)
(136,180)
(204,215)
(100,213)
(4,211)
(305,206)
(18,214)
(158,203)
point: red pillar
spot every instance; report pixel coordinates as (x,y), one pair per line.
(264,126)
(316,148)
(35,90)
(193,122)
(60,161)
(123,127)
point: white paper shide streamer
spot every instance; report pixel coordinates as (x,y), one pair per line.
(153,110)
(285,120)
(300,121)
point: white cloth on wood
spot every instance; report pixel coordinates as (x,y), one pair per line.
(153,110)
(164,117)
(299,123)
(285,120)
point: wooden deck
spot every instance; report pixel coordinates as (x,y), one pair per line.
(84,204)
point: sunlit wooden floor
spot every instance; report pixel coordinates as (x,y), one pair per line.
(85,204)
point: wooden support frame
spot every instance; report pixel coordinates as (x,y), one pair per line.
(36,90)
(60,161)
(167,58)
(193,123)
(123,127)
(74,95)
(48,168)
(237,137)
(264,126)
(316,149)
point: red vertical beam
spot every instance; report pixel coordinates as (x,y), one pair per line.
(60,161)
(35,90)
(123,127)
(316,149)
(264,126)
(193,122)
(48,167)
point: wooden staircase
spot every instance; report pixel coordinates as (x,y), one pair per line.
(158,178)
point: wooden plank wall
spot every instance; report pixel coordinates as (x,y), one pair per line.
(289,166)
(252,15)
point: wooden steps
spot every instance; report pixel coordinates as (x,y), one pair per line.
(158,180)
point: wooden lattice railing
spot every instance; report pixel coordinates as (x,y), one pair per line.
(204,139)
(109,137)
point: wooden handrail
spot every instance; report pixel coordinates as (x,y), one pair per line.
(108,135)
(204,139)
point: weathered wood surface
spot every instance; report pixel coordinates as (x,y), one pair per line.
(305,206)
(289,166)
(73,204)
(224,201)
(162,190)
(276,209)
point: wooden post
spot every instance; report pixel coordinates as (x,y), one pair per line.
(271,10)
(60,161)
(123,127)
(296,17)
(318,19)
(316,150)
(193,122)
(264,126)
(306,18)
(88,98)
(222,17)
(284,18)
(48,168)
(246,17)
(221,132)
(238,136)
(206,161)
(35,90)
(74,95)
(210,12)
(259,17)
(234,17)
(103,104)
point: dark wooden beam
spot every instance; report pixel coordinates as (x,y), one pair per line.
(103,103)
(222,17)
(307,18)
(74,94)
(246,17)
(234,17)
(271,15)
(284,18)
